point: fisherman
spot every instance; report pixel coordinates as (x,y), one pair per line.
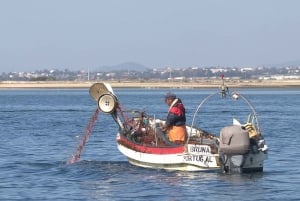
(175,122)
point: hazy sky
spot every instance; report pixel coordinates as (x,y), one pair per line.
(77,34)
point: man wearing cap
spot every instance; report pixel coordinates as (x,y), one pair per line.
(175,122)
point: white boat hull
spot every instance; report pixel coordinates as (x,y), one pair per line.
(191,158)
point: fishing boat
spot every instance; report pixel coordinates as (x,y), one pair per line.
(237,148)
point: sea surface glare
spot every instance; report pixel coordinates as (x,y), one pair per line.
(41,129)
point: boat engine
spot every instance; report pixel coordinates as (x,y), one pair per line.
(234,145)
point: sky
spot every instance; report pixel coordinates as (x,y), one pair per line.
(76,34)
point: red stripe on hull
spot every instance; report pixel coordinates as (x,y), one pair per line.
(149,149)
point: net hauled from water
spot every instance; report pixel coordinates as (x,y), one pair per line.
(76,156)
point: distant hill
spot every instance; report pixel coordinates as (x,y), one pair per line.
(123,66)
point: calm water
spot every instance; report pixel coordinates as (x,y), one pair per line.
(41,128)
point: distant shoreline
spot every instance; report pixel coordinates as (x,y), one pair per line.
(152,84)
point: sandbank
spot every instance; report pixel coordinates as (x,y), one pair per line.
(152,84)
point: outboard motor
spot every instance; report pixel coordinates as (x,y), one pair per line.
(234,144)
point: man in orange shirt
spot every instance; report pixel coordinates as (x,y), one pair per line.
(175,122)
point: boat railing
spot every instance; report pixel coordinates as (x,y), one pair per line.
(253,119)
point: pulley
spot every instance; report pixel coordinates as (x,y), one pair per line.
(107,103)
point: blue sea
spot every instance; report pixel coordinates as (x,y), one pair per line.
(41,128)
